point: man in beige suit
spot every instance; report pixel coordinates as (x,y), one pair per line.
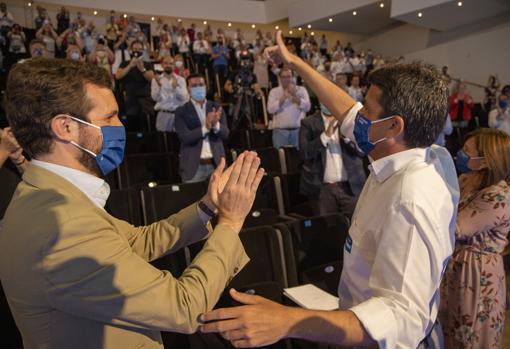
(76,277)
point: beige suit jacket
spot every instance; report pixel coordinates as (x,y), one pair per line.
(76,277)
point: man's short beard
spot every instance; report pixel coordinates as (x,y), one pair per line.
(87,160)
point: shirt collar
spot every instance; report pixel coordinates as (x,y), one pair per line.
(96,189)
(197,104)
(385,167)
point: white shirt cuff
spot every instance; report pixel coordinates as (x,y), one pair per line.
(204,217)
(325,139)
(378,320)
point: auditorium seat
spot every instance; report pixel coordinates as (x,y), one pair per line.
(325,276)
(144,142)
(311,242)
(261,138)
(141,169)
(291,159)
(261,216)
(163,200)
(125,204)
(270,160)
(295,203)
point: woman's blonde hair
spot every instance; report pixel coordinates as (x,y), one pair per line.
(494,146)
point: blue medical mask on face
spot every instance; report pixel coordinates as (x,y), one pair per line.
(325,110)
(198,93)
(462,159)
(112,150)
(362,132)
(503,104)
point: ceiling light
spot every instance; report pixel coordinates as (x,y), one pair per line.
(459,3)
(299,28)
(354,13)
(29,4)
(253,26)
(230,24)
(381,5)
(276,27)
(125,15)
(179,20)
(290,32)
(312,33)
(330,20)
(205,22)
(420,14)
(153,19)
(309,26)
(95,13)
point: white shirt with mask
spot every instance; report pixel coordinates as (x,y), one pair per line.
(335,170)
(206,152)
(400,240)
(165,95)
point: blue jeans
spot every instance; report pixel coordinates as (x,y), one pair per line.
(285,137)
(203,172)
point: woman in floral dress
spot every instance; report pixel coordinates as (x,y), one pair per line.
(473,292)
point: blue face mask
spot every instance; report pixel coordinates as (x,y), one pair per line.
(325,110)
(503,104)
(198,93)
(112,150)
(362,132)
(462,159)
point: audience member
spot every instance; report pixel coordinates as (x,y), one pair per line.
(499,117)
(473,297)
(136,75)
(169,91)
(288,105)
(333,175)
(49,36)
(202,128)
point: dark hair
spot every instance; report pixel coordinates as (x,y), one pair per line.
(285,69)
(36,41)
(419,94)
(135,42)
(193,76)
(39,89)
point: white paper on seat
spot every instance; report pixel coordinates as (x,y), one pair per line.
(311,297)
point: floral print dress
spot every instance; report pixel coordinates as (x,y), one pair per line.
(473,291)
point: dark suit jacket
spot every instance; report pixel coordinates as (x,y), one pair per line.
(189,129)
(313,154)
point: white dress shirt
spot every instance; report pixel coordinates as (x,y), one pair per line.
(206,145)
(400,240)
(500,121)
(289,114)
(335,170)
(200,47)
(167,97)
(96,189)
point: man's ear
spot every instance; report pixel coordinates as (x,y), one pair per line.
(397,127)
(62,127)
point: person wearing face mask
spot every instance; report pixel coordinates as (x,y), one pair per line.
(473,292)
(288,104)
(76,277)
(201,126)
(136,75)
(179,68)
(102,56)
(169,92)
(74,53)
(89,36)
(499,117)
(220,56)
(402,230)
(332,175)
(38,49)
(49,36)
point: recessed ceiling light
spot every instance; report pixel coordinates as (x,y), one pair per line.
(354,13)
(276,27)
(459,3)
(125,15)
(299,28)
(290,32)
(95,13)
(230,24)
(205,22)
(420,14)
(153,18)
(253,26)
(312,33)
(381,5)
(330,20)
(309,26)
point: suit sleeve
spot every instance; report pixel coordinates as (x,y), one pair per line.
(95,274)
(186,135)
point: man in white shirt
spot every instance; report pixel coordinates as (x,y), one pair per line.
(332,175)
(402,231)
(288,105)
(201,52)
(169,92)
(355,90)
(201,126)
(499,117)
